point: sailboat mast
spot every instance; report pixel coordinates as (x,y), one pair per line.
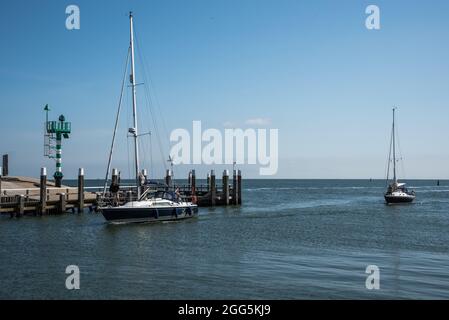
(133,85)
(394,150)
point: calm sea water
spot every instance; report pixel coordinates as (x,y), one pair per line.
(291,239)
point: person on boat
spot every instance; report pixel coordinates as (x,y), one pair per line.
(142,179)
(178,194)
(390,189)
(114,189)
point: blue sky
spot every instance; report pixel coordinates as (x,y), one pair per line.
(311,67)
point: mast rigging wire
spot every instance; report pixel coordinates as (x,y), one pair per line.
(149,102)
(116,124)
(389,156)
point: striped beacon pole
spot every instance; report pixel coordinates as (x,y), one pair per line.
(58,173)
(56,130)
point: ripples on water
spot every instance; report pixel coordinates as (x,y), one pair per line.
(290,239)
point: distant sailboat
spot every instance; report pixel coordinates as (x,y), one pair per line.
(396,192)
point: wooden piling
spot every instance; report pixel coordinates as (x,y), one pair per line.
(208,182)
(115,182)
(129,196)
(62,205)
(20,206)
(114,177)
(189,179)
(193,187)
(234,188)
(81,190)
(239,183)
(213,188)
(5,167)
(43,192)
(168,178)
(226,187)
(193,180)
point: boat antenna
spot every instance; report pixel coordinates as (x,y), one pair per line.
(394,149)
(134,130)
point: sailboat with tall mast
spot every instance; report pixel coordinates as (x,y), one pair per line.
(396,192)
(148,207)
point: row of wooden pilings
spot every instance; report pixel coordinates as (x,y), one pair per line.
(228,195)
(59,202)
(46,203)
(62,207)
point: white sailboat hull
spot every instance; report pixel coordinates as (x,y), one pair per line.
(399,197)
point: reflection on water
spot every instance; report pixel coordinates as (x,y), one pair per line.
(291,239)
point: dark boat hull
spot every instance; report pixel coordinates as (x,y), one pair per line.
(398,199)
(144,215)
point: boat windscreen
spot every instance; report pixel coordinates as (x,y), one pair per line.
(166,195)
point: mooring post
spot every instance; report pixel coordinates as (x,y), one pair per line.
(114,177)
(81,190)
(20,205)
(226,187)
(5,167)
(189,180)
(193,182)
(129,196)
(193,186)
(1,171)
(239,182)
(115,186)
(62,203)
(208,182)
(234,188)
(213,188)
(168,181)
(43,191)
